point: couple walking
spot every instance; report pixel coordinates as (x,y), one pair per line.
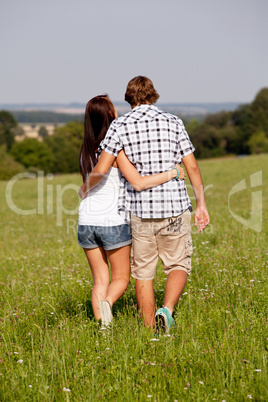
(132,177)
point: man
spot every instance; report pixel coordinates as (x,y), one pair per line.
(160,217)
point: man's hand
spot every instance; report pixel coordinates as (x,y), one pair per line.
(201,218)
(82,191)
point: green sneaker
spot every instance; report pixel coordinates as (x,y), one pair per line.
(164,320)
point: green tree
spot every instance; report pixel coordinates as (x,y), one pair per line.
(7,126)
(192,125)
(230,139)
(251,119)
(73,131)
(258,143)
(42,132)
(218,120)
(258,112)
(207,142)
(32,153)
(241,120)
(65,144)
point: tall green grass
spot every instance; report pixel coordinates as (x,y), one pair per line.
(51,348)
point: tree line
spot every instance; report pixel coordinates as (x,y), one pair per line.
(243,131)
(43,116)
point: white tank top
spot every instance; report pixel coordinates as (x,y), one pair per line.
(99,208)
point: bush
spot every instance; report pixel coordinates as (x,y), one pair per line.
(8,167)
(32,153)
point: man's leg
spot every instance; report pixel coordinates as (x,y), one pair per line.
(143,266)
(146,302)
(175,249)
(175,283)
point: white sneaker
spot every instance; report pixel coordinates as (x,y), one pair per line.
(106,313)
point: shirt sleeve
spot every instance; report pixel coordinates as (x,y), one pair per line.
(185,146)
(112,143)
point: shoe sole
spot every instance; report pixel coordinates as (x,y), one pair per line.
(161,322)
(106,314)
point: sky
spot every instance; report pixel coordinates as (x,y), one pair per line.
(62,51)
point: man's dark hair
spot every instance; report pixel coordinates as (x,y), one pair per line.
(140,90)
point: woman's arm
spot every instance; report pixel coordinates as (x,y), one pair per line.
(140,183)
(97,174)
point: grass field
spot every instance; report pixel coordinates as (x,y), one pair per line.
(51,348)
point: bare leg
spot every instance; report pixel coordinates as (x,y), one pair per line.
(120,267)
(174,287)
(146,302)
(101,278)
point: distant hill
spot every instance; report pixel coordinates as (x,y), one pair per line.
(63,113)
(44,116)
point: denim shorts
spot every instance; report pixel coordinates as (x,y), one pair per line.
(108,237)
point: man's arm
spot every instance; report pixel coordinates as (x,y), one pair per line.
(97,174)
(201,216)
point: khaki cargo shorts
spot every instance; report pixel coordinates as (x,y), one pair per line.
(168,239)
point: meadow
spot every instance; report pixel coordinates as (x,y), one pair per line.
(52,350)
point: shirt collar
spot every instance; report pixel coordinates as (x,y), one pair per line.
(144,106)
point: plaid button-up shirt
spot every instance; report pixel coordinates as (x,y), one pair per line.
(153,141)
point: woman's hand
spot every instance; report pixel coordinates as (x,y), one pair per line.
(182,172)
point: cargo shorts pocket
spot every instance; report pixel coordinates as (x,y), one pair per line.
(188,247)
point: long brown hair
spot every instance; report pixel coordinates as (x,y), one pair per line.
(99,114)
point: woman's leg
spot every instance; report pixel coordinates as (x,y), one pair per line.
(100,271)
(120,267)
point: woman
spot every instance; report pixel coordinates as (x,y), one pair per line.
(102,232)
